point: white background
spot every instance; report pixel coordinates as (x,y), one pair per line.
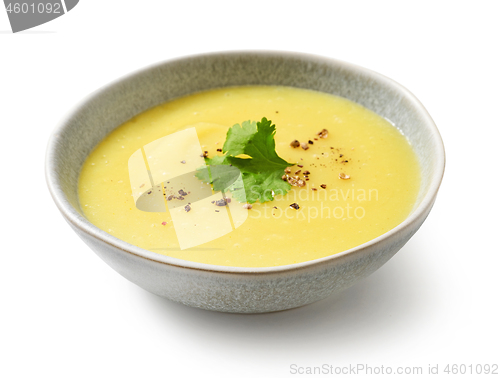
(65,313)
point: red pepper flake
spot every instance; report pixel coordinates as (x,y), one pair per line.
(164,223)
(297,172)
(314,189)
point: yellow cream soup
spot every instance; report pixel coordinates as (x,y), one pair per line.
(378,191)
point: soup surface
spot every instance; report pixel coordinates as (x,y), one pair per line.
(361,180)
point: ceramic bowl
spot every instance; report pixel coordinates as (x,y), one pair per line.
(236,289)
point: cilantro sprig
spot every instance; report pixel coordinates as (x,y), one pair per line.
(249,150)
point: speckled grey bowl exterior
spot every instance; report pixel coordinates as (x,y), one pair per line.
(234,289)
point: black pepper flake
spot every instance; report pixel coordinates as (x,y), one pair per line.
(306,173)
(323,133)
(187,208)
(183,161)
(222,202)
(295,143)
(182,193)
(300,166)
(341,155)
(219,149)
(323,186)
(310,142)
(295,206)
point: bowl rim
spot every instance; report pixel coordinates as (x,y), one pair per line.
(80,222)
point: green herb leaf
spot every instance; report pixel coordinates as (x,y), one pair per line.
(261,168)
